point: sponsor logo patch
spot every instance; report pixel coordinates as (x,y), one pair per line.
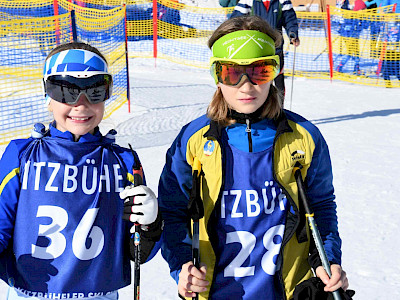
(209,147)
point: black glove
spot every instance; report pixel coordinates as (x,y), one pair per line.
(313,289)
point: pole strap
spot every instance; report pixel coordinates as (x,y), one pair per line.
(195,206)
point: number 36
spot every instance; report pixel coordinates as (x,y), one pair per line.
(58,243)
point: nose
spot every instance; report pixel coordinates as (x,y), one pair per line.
(82,100)
(245,83)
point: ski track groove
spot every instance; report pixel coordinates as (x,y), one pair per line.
(161,120)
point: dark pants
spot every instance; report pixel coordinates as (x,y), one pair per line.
(391,65)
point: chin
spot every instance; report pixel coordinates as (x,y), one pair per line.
(80,132)
(248,110)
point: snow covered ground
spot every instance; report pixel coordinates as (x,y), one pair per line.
(361,125)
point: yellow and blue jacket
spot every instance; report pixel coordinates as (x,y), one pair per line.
(295,139)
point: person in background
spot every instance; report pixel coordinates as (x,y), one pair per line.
(66,193)
(375,27)
(254,240)
(350,31)
(391,62)
(228,3)
(279,14)
(373,4)
(343,4)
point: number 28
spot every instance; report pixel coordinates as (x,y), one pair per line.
(248,241)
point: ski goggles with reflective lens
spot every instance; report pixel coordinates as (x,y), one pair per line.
(67,89)
(258,70)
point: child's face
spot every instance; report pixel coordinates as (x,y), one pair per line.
(245,97)
(80,118)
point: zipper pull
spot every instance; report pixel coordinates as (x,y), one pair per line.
(248,128)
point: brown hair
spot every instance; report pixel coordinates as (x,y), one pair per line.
(75,45)
(218,108)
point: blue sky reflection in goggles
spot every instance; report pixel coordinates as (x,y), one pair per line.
(67,89)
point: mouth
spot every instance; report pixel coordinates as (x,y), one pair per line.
(79,119)
(247,99)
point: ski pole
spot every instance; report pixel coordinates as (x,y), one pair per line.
(313,225)
(291,88)
(137,180)
(196,211)
(325,49)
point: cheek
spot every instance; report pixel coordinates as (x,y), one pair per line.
(57,108)
(228,91)
(99,110)
(264,88)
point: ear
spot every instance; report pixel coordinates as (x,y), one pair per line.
(49,107)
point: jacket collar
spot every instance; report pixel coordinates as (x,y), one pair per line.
(215,131)
(281,122)
(241,118)
(54,132)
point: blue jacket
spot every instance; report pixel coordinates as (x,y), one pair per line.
(293,139)
(61,227)
(280,14)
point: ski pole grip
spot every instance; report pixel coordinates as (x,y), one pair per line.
(196,166)
(137,170)
(137,177)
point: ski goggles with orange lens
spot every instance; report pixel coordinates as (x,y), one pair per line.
(258,71)
(67,89)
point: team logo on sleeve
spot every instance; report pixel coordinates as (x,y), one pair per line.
(209,147)
(298,155)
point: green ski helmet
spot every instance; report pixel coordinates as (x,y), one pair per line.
(244,47)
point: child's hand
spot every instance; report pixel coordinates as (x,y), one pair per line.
(140,205)
(338,279)
(192,280)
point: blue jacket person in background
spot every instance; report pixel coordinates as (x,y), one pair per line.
(279,14)
(62,233)
(391,62)
(350,30)
(254,241)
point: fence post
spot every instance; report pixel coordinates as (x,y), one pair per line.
(328,22)
(155,31)
(57,22)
